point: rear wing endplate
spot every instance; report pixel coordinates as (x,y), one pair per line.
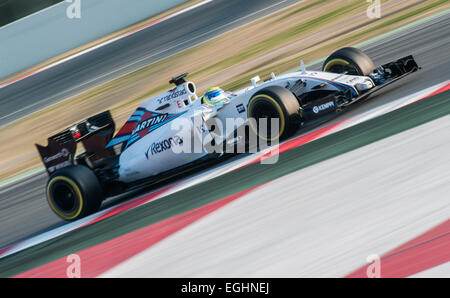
(94,133)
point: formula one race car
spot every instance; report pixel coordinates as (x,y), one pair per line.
(178,131)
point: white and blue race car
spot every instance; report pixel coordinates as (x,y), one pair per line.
(178,130)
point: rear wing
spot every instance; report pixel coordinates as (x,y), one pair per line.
(94,133)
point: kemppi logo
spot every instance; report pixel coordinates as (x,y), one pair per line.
(326,106)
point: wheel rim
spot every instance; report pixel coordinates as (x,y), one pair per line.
(64,197)
(265,110)
(347,69)
(341,66)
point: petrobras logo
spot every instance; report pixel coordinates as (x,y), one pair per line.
(152,121)
(63,154)
(65,164)
(174,94)
(167,144)
(326,106)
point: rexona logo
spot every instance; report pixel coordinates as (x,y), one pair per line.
(162,146)
(326,106)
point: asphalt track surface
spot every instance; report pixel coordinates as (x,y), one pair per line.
(129,54)
(23,208)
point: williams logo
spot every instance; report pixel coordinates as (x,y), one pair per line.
(240,108)
(165,145)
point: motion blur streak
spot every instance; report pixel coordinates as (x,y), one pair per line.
(429,250)
(129,54)
(128,245)
(431,47)
(321,221)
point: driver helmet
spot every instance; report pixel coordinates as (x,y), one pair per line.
(215,96)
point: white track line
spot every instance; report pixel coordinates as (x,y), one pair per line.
(81,85)
(394,105)
(441,271)
(139,60)
(106,43)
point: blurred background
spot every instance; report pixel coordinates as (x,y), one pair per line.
(12,10)
(366,190)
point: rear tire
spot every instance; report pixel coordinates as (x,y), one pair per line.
(74,192)
(274,102)
(349,60)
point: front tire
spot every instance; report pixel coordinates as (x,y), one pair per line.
(74,192)
(349,60)
(274,102)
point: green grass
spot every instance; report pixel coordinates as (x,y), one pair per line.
(284,37)
(299,10)
(287,65)
(244,79)
(250,52)
(396,20)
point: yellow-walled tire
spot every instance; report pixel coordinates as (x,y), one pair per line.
(349,60)
(274,102)
(74,192)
